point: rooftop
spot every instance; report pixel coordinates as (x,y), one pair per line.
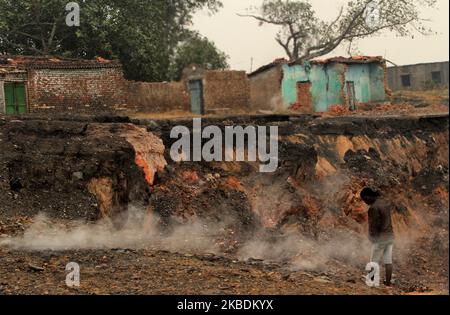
(49,62)
(346,60)
(10,70)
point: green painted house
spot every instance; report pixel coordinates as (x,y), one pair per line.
(317,85)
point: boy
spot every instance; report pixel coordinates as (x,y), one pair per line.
(381,232)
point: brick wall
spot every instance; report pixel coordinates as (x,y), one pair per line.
(98,90)
(226,90)
(146,97)
(93,90)
(266,90)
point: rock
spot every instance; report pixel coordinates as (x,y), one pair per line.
(323,280)
(254,261)
(192,270)
(35,268)
(102,266)
(285,276)
(78,175)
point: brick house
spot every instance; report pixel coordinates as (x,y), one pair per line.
(55,84)
(316,85)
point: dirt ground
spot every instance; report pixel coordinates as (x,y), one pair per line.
(150,271)
(404,103)
(221,228)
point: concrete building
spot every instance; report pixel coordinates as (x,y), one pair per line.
(419,77)
(54,84)
(317,85)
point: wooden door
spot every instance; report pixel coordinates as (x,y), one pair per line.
(351,96)
(15,98)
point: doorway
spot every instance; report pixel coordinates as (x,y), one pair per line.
(351,96)
(304,98)
(15,98)
(196,92)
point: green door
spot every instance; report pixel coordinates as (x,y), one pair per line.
(15,98)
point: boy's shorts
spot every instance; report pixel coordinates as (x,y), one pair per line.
(382,250)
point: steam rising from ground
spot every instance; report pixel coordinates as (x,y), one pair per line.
(142,231)
(306,254)
(289,246)
(197,236)
(190,237)
(138,233)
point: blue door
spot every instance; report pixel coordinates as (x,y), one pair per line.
(196,91)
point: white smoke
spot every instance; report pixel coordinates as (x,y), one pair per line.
(140,232)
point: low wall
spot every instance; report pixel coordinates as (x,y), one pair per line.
(158,97)
(226,90)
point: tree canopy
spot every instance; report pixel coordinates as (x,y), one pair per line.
(198,50)
(144,35)
(303,35)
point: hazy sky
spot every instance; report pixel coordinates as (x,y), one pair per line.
(242,38)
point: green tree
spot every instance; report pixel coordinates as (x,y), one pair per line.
(200,51)
(32,27)
(142,34)
(304,36)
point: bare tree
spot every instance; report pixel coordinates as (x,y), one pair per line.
(304,36)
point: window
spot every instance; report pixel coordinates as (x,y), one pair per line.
(406,80)
(436,77)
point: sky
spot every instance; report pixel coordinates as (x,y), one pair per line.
(242,39)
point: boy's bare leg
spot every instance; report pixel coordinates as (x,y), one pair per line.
(389,272)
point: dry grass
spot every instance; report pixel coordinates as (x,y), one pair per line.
(166,115)
(422,98)
(404,103)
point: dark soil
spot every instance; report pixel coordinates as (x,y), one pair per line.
(46,165)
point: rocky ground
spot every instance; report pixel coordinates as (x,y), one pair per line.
(125,271)
(152,271)
(219,228)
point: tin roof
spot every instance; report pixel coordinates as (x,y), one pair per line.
(48,62)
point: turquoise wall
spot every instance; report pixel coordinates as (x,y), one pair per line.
(327,83)
(377,83)
(360,75)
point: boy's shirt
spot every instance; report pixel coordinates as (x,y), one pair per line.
(380,222)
